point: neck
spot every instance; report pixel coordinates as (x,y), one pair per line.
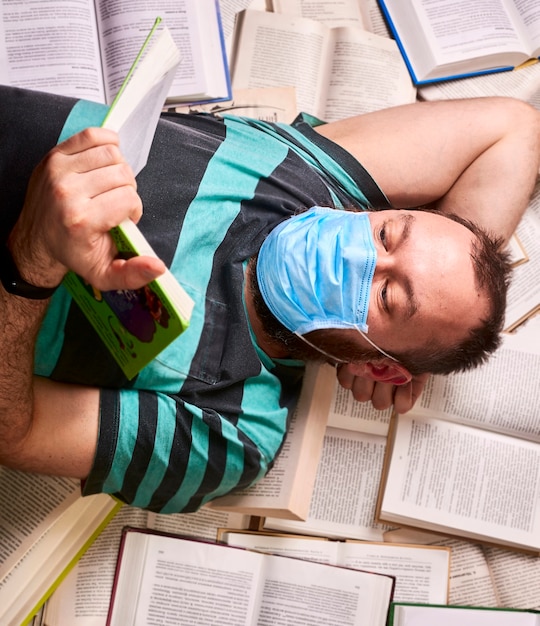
(273,348)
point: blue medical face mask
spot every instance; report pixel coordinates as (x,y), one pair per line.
(315,270)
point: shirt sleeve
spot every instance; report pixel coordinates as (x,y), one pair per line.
(157,451)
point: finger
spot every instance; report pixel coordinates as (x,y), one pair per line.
(128,274)
(86,139)
(114,206)
(85,156)
(403,398)
(89,160)
(101,180)
(362,389)
(345,377)
(406,396)
(383,396)
(96,201)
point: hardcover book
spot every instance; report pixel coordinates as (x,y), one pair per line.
(451,39)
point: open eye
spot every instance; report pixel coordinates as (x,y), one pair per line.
(384,296)
(382,236)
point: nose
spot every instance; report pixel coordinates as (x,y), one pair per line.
(385,261)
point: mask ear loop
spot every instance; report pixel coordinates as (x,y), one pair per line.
(374,345)
(335,359)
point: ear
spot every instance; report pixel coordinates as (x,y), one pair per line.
(385,371)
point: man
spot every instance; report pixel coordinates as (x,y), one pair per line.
(210,413)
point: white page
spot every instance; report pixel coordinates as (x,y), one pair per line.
(516,576)
(347,413)
(51,46)
(458,479)
(281,51)
(471,582)
(457,29)
(528,15)
(522,84)
(343,502)
(133,18)
(366,73)
(193,584)
(29,503)
(331,12)
(83,597)
(421,574)
(293,595)
(498,395)
(307,548)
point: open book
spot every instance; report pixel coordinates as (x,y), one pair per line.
(482,575)
(363,13)
(425,615)
(89,584)
(45,527)
(523,84)
(454,38)
(84,48)
(337,72)
(421,572)
(185,581)
(343,501)
(466,460)
(135,325)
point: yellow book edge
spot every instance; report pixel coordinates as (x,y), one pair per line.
(71,564)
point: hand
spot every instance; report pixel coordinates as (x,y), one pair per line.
(382,395)
(81,189)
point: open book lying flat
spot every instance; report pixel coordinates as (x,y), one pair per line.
(181,581)
(84,48)
(455,38)
(466,460)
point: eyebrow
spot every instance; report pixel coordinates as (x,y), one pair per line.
(407,220)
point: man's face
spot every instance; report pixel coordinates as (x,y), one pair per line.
(423,288)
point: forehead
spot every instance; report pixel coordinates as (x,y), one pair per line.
(436,262)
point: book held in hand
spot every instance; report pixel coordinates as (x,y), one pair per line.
(135,325)
(181,581)
(451,39)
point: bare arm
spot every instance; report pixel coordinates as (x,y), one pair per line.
(478,158)
(79,191)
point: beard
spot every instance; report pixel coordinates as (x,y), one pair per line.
(329,345)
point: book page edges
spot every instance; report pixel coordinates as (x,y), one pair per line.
(112,508)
